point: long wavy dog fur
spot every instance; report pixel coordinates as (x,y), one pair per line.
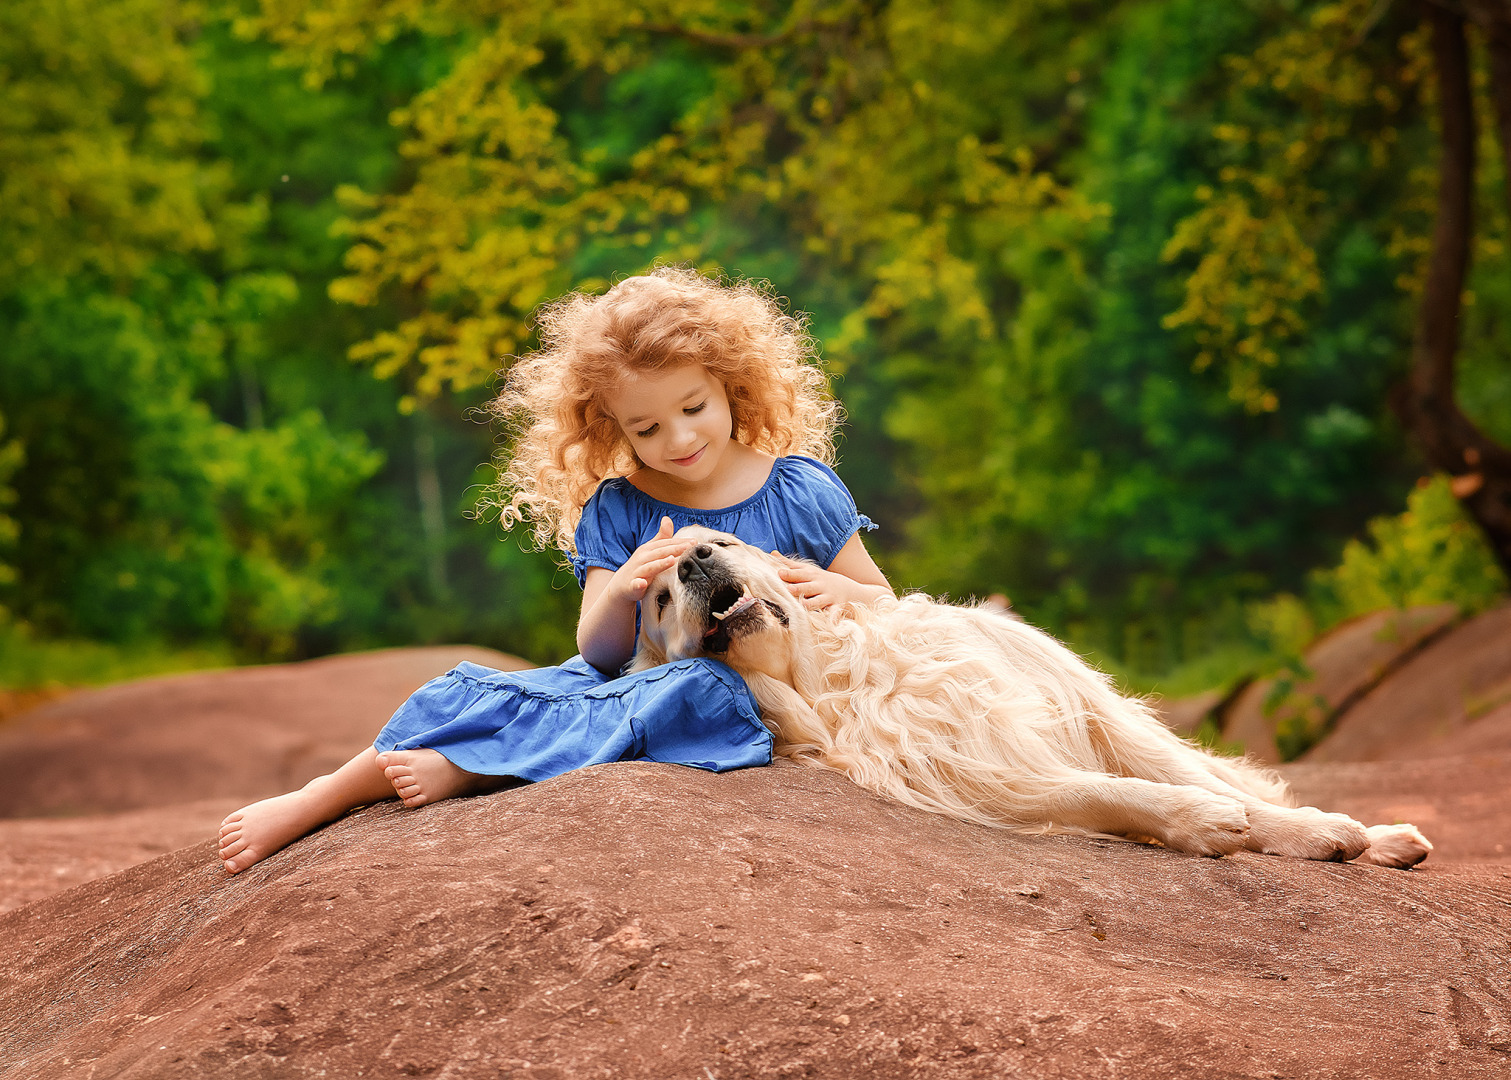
(970,713)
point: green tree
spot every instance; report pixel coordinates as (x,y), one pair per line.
(880,163)
(411,567)
(1346,151)
(1116,295)
(130,298)
(100,136)
(1094,353)
(141,513)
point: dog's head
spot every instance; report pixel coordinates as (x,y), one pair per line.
(723,599)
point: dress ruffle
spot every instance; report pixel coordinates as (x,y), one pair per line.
(541,723)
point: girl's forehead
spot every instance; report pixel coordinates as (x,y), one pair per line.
(641,393)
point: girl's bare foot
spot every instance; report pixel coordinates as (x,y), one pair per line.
(426,776)
(254,832)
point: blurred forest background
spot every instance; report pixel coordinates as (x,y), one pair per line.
(1122,298)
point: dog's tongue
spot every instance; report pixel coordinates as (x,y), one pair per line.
(739,606)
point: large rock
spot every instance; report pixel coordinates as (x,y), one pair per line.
(235,735)
(1441,693)
(1345,664)
(41,856)
(643,920)
(640,920)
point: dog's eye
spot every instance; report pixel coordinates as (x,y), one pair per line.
(722,543)
(663,598)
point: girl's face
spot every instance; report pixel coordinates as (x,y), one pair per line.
(677,421)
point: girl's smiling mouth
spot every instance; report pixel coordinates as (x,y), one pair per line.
(691,459)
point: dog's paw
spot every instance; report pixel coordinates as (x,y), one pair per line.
(1308,833)
(1400,846)
(1206,825)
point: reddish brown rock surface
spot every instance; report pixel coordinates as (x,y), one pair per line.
(1345,664)
(1442,692)
(246,732)
(41,856)
(641,920)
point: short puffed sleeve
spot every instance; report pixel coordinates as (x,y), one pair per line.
(821,514)
(605,534)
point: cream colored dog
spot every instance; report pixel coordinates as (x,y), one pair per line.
(966,712)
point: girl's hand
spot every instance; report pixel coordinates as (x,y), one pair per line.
(606,629)
(819,589)
(649,559)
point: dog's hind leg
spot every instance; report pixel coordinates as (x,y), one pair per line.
(1183,818)
(1275,827)
(1399,846)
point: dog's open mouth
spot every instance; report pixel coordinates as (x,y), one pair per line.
(726,603)
(730,610)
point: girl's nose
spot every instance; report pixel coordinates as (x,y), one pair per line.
(683,437)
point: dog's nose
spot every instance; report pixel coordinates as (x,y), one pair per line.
(691,565)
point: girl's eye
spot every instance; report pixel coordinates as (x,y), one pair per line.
(648,432)
(693,410)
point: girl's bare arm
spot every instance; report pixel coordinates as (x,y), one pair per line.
(606,628)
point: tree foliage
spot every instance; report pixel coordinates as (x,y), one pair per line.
(1118,296)
(99,136)
(186,455)
(869,137)
(1320,100)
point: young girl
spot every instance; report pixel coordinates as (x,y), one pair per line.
(671,400)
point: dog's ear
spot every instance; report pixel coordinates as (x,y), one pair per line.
(790,717)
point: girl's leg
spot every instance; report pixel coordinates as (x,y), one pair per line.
(254,832)
(424,776)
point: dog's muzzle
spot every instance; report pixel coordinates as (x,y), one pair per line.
(728,608)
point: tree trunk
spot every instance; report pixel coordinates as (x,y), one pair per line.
(1480,467)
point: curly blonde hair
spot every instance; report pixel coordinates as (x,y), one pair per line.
(564,440)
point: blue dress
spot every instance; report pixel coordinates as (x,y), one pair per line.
(541,723)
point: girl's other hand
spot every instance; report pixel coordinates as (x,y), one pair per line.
(819,589)
(649,559)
